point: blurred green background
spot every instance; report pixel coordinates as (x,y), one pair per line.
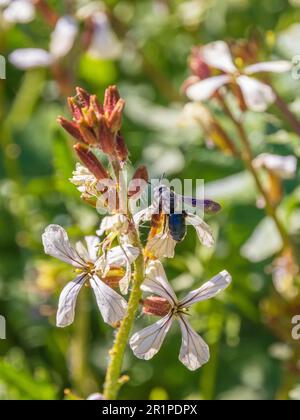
(248,327)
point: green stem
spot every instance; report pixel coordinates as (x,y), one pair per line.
(113,381)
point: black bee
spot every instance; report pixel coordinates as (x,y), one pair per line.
(176,221)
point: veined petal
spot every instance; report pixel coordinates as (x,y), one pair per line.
(30,58)
(119,255)
(162,245)
(203,230)
(281,66)
(143,215)
(56,243)
(125,281)
(258,96)
(205,89)
(82,251)
(117,223)
(111,305)
(147,342)
(156,282)
(92,243)
(208,290)
(67,301)
(194,352)
(217,54)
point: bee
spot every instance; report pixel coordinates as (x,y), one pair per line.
(174,220)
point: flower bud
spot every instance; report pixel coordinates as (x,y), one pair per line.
(96,106)
(115,118)
(75,110)
(71,127)
(111,97)
(106,138)
(155,305)
(83,97)
(121,148)
(87,134)
(91,162)
(197,65)
(139,182)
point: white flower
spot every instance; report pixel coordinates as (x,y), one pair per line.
(257,95)
(63,36)
(124,257)
(117,223)
(18,11)
(62,41)
(29,58)
(161,243)
(194,351)
(283,166)
(85,181)
(111,305)
(104,43)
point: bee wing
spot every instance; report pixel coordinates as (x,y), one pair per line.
(209,206)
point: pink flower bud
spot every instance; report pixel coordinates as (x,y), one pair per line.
(91,162)
(111,97)
(155,305)
(197,65)
(71,127)
(106,138)
(121,148)
(115,118)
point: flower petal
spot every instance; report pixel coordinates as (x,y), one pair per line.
(125,281)
(194,352)
(203,230)
(111,305)
(120,255)
(20,11)
(162,245)
(258,96)
(205,89)
(92,243)
(29,58)
(63,36)
(56,243)
(104,43)
(67,301)
(217,54)
(207,290)
(283,166)
(269,66)
(116,223)
(147,342)
(156,282)
(143,215)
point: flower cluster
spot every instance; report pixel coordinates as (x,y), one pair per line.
(106,262)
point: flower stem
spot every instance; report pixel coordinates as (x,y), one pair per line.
(113,381)
(288,114)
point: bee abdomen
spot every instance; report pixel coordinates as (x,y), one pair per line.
(177,226)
